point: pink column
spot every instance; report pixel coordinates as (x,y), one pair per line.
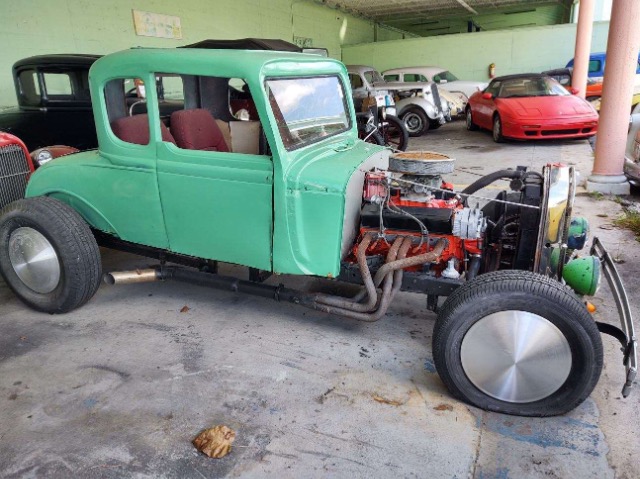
(583,47)
(622,59)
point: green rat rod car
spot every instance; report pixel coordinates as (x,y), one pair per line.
(290,189)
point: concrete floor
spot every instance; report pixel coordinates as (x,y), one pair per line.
(120,387)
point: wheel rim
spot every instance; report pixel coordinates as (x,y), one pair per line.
(496,129)
(392,136)
(469,121)
(413,122)
(516,356)
(34,260)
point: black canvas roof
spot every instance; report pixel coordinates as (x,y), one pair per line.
(247,44)
(74,59)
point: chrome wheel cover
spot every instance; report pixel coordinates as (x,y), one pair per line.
(469,119)
(34,260)
(516,356)
(413,122)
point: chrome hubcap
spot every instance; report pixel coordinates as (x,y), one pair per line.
(413,122)
(468,118)
(516,356)
(496,129)
(34,260)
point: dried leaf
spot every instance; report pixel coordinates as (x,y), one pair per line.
(215,442)
(443,407)
(391,402)
(23,338)
(184,309)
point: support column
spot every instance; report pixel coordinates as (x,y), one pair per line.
(583,47)
(622,59)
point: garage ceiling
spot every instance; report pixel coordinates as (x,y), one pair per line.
(436,17)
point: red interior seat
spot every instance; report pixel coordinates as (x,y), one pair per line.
(197,130)
(135,129)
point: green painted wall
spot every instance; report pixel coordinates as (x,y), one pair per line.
(468,55)
(34,27)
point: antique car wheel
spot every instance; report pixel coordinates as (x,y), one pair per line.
(471,126)
(497,129)
(518,343)
(416,121)
(395,134)
(48,255)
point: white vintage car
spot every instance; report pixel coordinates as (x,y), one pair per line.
(443,78)
(418,104)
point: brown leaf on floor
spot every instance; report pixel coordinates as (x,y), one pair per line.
(383,400)
(184,309)
(22,338)
(443,407)
(215,442)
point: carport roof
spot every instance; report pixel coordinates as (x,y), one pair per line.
(407,14)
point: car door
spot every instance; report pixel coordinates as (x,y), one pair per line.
(217,204)
(484,107)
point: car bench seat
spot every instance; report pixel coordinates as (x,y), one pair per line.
(135,129)
(196,129)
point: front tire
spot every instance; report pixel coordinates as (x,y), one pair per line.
(395,134)
(471,126)
(416,121)
(518,343)
(48,255)
(498,137)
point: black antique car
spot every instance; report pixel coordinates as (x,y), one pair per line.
(54,103)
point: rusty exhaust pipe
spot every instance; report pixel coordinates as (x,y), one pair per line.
(130,277)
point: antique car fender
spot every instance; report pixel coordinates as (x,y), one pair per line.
(428,107)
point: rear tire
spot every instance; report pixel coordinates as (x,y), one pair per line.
(48,255)
(518,343)
(416,121)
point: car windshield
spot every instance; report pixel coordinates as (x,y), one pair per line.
(308,109)
(534,86)
(447,76)
(373,76)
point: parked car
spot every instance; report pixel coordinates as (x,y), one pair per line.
(54,104)
(443,78)
(15,168)
(530,106)
(632,151)
(597,63)
(564,76)
(418,104)
(315,200)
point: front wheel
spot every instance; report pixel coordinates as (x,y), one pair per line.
(497,129)
(471,126)
(394,133)
(48,255)
(416,121)
(518,343)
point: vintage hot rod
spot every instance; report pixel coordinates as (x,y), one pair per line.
(296,192)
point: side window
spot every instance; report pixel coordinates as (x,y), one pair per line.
(126,107)
(356,81)
(57,84)
(595,66)
(416,77)
(494,88)
(29,87)
(217,115)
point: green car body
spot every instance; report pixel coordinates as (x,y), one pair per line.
(292,212)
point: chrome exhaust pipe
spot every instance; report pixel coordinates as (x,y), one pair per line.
(130,277)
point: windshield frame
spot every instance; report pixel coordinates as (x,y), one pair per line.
(283,129)
(445,74)
(551,84)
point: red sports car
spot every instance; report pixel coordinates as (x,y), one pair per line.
(530,106)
